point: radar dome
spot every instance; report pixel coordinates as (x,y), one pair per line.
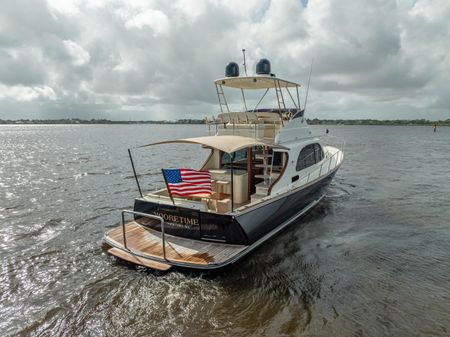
(263,67)
(232,70)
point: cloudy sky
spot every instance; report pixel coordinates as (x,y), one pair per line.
(144,59)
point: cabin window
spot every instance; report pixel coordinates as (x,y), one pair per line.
(307,157)
(319,152)
(277,158)
(240,155)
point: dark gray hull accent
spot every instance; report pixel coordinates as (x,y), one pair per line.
(236,258)
(242,228)
(257,222)
(254,226)
(192,224)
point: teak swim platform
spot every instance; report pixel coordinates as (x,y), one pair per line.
(264,170)
(146,243)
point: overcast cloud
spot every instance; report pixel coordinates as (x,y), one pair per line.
(139,59)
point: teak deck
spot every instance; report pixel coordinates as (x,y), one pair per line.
(148,242)
(138,260)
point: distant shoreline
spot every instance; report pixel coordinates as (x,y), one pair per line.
(76,121)
(314,121)
(400,122)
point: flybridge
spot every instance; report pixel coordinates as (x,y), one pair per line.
(286,92)
(255,82)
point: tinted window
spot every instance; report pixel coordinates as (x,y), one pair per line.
(240,155)
(306,157)
(319,152)
(277,158)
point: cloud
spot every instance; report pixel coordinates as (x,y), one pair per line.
(154,19)
(79,56)
(157,59)
(25,94)
(21,67)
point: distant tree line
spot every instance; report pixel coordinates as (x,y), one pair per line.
(314,121)
(317,121)
(97,121)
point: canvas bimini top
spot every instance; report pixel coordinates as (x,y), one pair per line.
(226,144)
(255,82)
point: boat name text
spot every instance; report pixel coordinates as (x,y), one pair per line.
(178,219)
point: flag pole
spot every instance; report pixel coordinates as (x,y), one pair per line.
(135,175)
(167,185)
(232,182)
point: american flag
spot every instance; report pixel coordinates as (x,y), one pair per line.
(184,182)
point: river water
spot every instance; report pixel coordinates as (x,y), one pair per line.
(372,259)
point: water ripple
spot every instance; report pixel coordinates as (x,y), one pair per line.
(372,259)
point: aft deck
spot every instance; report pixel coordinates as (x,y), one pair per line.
(144,247)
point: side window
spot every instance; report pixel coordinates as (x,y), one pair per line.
(240,155)
(306,157)
(319,152)
(277,158)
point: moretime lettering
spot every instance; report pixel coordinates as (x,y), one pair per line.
(177,219)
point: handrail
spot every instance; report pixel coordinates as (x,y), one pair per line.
(338,154)
(339,142)
(151,216)
(251,129)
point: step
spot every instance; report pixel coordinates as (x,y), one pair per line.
(262,155)
(267,176)
(220,182)
(257,197)
(138,260)
(262,188)
(262,165)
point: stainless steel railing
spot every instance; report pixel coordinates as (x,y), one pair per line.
(253,130)
(335,141)
(151,216)
(325,140)
(337,156)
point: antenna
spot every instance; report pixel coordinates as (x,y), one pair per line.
(307,89)
(245,64)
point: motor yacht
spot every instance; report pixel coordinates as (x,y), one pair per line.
(265,169)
